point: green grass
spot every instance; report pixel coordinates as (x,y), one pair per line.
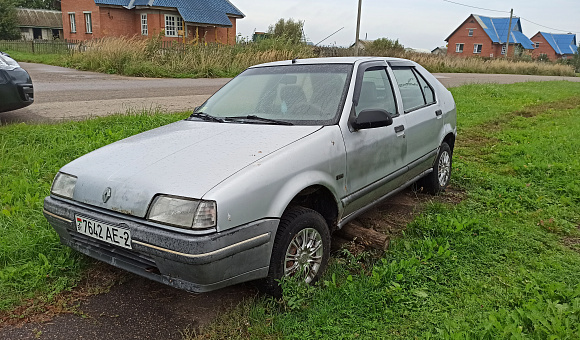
(48,59)
(32,262)
(491,267)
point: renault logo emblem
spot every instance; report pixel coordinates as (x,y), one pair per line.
(106,195)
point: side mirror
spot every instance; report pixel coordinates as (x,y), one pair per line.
(373,118)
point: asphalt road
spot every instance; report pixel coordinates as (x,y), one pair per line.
(66,94)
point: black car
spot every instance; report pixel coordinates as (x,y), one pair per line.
(16,90)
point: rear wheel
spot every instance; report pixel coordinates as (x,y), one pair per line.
(301,247)
(439,178)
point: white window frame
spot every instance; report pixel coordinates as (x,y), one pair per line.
(173,24)
(477,48)
(88,22)
(537,44)
(144,27)
(459,48)
(73,22)
(503,49)
(470,32)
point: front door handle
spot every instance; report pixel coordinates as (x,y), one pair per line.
(399,128)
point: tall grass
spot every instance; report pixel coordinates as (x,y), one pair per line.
(139,57)
(147,58)
(451,64)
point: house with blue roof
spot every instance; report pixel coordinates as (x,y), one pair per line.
(554,46)
(488,37)
(203,21)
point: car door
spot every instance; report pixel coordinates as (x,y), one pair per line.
(423,117)
(375,156)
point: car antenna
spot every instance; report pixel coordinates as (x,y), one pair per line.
(294,60)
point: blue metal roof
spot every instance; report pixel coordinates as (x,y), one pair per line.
(113,2)
(497,30)
(561,43)
(211,12)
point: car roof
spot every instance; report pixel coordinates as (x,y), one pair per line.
(329,60)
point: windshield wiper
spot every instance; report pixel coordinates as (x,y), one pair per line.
(206,117)
(261,119)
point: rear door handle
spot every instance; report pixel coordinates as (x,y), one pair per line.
(438,113)
(399,128)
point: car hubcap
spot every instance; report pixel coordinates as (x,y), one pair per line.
(304,254)
(444,168)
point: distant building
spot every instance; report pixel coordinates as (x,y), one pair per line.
(36,24)
(201,20)
(554,45)
(487,37)
(441,50)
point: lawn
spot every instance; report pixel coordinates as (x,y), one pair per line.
(503,263)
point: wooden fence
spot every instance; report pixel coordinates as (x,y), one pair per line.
(41,46)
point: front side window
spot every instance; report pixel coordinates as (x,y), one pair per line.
(502,49)
(299,94)
(173,24)
(73,23)
(459,48)
(144,28)
(470,32)
(88,23)
(415,91)
(477,48)
(376,92)
(537,44)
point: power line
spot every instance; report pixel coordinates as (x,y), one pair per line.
(485,9)
(555,29)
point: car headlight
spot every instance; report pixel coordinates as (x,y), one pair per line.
(183,212)
(63,185)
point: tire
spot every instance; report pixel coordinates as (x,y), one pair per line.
(304,236)
(439,178)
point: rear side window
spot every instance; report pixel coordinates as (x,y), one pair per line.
(415,91)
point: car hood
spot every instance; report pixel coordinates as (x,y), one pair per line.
(186,158)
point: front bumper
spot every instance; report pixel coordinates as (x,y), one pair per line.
(197,263)
(16,89)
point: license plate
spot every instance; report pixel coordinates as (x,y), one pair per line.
(105,232)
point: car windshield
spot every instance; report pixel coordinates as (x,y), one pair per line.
(296,94)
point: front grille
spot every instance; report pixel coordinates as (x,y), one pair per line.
(130,257)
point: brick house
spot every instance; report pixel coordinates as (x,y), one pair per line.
(554,46)
(486,37)
(192,20)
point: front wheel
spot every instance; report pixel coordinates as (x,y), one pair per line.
(439,178)
(301,247)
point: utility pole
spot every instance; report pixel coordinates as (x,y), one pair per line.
(357,28)
(507,44)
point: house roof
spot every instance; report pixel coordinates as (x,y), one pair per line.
(27,17)
(210,12)
(497,30)
(561,43)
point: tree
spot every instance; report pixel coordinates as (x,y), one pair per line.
(575,60)
(289,30)
(40,4)
(8,28)
(385,44)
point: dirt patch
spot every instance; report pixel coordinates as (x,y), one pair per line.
(392,216)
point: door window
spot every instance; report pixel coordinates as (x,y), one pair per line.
(376,92)
(415,91)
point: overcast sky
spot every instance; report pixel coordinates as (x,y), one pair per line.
(416,23)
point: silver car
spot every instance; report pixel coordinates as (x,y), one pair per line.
(254,182)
